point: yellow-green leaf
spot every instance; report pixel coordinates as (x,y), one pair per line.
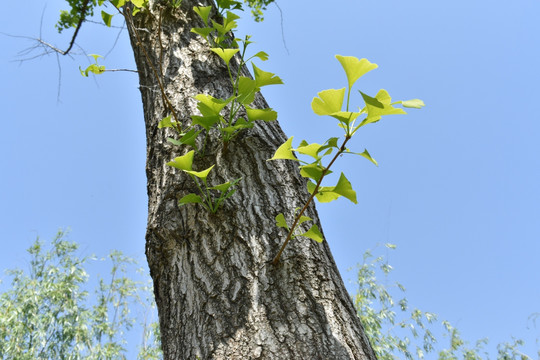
(200,174)
(368,156)
(344,189)
(379,106)
(314,233)
(183,162)
(203,12)
(312,171)
(355,68)
(263,78)
(310,150)
(261,114)
(107,18)
(329,101)
(285,151)
(414,103)
(281,222)
(190,199)
(165,122)
(225,54)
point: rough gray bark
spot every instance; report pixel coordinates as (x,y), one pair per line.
(217,294)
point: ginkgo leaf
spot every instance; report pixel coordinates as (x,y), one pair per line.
(200,174)
(344,189)
(312,171)
(310,150)
(183,162)
(368,156)
(203,12)
(209,105)
(190,199)
(204,32)
(281,222)
(285,151)
(107,18)
(165,122)
(355,68)
(261,114)
(314,233)
(263,78)
(225,54)
(329,101)
(246,90)
(378,106)
(261,55)
(345,117)
(414,103)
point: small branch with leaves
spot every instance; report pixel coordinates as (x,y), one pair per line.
(330,103)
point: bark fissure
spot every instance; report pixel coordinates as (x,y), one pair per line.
(218,295)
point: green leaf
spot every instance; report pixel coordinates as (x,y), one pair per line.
(203,12)
(281,222)
(303,219)
(285,151)
(310,150)
(190,137)
(225,54)
(379,106)
(229,4)
(312,171)
(247,88)
(183,162)
(118,3)
(345,117)
(205,121)
(204,32)
(209,105)
(264,78)
(355,68)
(329,101)
(200,174)
(344,189)
(231,17)
(107,18)
(314,233)
(96,57)
(368,156)
(324,194)
(94,68)
(222,187)
(190,199)
(261,114)
(174,141)
(165,122)
(414,103)
(223,29)
(261,55)
(138,3)
(240,124)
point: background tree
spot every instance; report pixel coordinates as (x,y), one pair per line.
(49,312)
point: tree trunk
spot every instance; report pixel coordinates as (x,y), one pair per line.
(218,295)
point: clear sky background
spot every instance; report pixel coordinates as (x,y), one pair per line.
(457,187)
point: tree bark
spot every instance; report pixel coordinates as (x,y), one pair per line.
(217,293)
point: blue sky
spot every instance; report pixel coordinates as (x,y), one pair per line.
(457,184)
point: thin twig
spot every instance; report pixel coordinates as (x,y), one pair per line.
(282,31)
(324,172)
(129,19)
